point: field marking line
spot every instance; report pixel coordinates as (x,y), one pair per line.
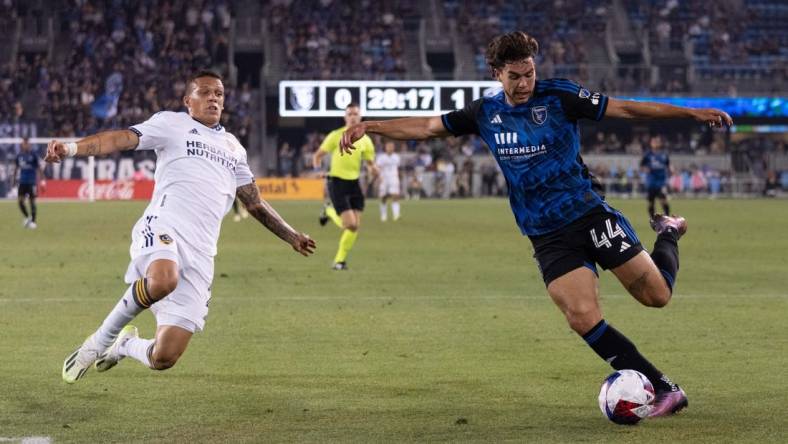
(27,439)
(405,298)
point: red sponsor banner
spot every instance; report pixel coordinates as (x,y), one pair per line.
(103,190)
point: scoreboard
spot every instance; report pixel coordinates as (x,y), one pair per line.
(308,98)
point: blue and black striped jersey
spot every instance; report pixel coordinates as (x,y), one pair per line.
(537,145)
(658,165)
(28,165)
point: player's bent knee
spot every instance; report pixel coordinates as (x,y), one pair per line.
(159,287)
(163,361)
(660,297)
(656,297)
(352,227)
(581,319)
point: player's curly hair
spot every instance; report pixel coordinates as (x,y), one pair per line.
(510,48)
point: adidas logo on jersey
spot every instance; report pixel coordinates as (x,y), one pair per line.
(496,120)
(624,247)
(194,131)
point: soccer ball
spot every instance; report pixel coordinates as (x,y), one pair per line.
(626,397)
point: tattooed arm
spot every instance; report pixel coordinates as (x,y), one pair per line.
(105,142)
(266,215)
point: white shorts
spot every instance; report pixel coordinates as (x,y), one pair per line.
(187,305)
(388,186)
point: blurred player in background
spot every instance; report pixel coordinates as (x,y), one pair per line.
(656,165)
(347,199)
(531,128)
(389,188)
(239,212)
(174,242)
(28,172)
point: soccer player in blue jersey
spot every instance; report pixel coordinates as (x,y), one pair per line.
(656,165)
(531,128)
(28,169)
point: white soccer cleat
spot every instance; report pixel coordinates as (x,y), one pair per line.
(77,364)
(111,357)
(32,225)
(25,222)
(237,218)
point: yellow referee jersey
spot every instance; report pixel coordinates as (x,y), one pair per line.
(347,166)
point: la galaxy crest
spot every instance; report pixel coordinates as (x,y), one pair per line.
(539,114)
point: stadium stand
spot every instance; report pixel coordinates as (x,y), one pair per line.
(349,39)
(75,67)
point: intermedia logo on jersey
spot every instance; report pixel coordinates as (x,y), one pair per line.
(114,190)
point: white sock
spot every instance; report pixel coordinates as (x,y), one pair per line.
(125,310)
(383,214)
(137,348)
(395,209)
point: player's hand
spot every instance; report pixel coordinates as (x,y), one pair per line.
(303,244)
(42,186)
(374,172)
(713,117)
(351,134)
(56,151)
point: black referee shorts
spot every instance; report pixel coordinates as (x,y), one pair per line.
(654,193)
(26,189)
(602,236)
(345,194)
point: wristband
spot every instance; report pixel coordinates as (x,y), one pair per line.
(71,149)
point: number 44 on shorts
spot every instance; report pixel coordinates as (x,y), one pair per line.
(603,240)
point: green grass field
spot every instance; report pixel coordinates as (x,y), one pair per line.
(440,332)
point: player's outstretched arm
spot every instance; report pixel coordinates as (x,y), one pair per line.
(409,128)
(266,215)
(103,143)
(630,109)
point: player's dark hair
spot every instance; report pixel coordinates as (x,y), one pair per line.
(352,105)
(197,75)
(510,48)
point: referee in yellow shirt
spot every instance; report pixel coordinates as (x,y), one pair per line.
(343,185)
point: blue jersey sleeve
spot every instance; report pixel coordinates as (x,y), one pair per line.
(463,121)
(576,101)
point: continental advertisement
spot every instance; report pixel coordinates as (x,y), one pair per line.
(291,188)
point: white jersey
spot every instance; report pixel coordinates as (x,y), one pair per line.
(389,165)
(198,169)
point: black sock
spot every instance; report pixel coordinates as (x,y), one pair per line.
(33,209)
(651,209)
(666,255)
(666,207)
(621,353)
(23,208)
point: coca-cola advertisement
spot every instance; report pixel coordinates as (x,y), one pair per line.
(102,190)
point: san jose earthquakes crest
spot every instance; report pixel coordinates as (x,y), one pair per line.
(539,114)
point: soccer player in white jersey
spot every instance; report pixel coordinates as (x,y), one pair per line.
(389,187)
(200,170)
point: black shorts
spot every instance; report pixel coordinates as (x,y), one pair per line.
(345,194)
(601,236)
(654,193)
(26,189)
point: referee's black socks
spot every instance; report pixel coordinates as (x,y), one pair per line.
(621,353)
